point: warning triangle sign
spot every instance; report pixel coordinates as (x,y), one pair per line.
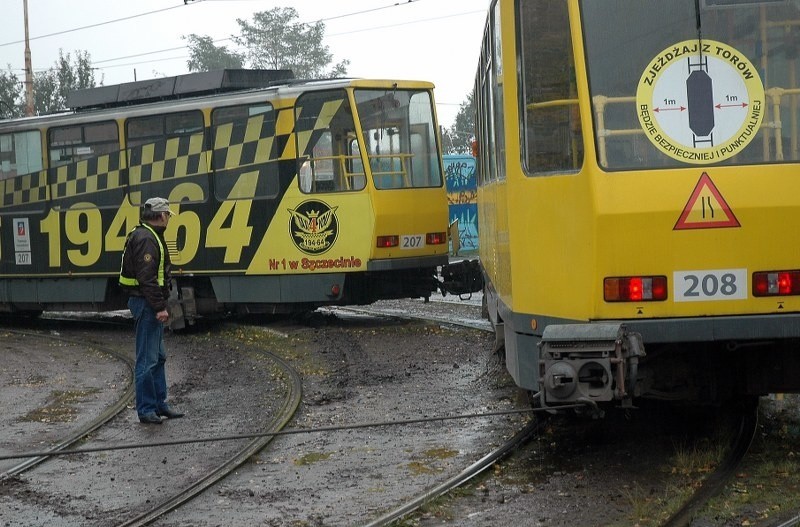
(706,208)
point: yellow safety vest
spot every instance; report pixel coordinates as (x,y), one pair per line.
(133,282)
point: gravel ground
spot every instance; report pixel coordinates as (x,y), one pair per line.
(355,369)
(359,370)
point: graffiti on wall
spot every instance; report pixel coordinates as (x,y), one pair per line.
(462,198)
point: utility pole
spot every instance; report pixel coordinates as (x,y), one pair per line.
(28,67)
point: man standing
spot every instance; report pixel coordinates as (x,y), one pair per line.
(145,275)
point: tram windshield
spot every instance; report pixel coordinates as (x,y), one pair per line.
(693,81)
(399,137)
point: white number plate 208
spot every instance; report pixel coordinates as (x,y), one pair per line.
(412,241)
(710,284)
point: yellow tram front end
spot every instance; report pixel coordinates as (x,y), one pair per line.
(367,214)
(639,196)
(402,158)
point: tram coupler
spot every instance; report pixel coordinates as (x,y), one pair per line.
(589,363)
(461,278)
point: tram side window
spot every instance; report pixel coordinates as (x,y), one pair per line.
(164,148)
(243,154)
(327,160)
(70,144)
(20,153)
(489,103)
(317,174)
(552,139)
(154,128)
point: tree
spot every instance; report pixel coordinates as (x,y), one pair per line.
(50,88)
(11,102)
(458,139)
(74,76)
(447,141)
(45,93)
(275,41)
(205,56)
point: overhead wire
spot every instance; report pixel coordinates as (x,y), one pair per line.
(113,21)
(372,28)
(90,26)
(345,15)
(195,2)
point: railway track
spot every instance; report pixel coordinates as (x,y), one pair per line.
(462,477)
(712,485)
(287,409)
(126,396)
(156,508)
(407,507)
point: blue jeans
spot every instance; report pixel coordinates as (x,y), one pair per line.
(151,377)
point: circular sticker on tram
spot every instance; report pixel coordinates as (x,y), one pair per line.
(313,226)
(700,101)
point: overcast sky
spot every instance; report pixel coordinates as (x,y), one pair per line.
(433,40)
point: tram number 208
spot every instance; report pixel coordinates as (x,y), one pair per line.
(711,284)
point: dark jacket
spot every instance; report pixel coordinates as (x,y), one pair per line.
(140,261)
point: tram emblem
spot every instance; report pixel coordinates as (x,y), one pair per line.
(313,226)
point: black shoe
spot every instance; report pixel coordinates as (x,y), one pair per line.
(169,413)
(151,419)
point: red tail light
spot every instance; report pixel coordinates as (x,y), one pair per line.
(635,289)
(436,238)
(384,242)
(776,283)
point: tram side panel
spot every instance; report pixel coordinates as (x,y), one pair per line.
(244,231)
(21,241)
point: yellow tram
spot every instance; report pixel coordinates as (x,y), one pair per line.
(289,194)
(639,196)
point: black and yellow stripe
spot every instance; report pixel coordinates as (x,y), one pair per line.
(260,140)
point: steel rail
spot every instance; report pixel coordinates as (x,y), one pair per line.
(711,486)
(480,326)
(279,421)
(109,413)
(501,452)
(791,522)
(715,482)
(519,439)
(282,417)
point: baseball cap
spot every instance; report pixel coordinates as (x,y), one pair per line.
(158,205)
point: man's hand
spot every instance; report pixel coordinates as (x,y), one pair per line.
(162,316)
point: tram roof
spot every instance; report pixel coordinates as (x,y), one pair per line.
(232,88)
(177,87)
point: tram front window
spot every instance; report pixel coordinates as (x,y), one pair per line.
(693,82)
(399,138)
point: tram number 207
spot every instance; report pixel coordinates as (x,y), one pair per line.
(711,284)
(412,241)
